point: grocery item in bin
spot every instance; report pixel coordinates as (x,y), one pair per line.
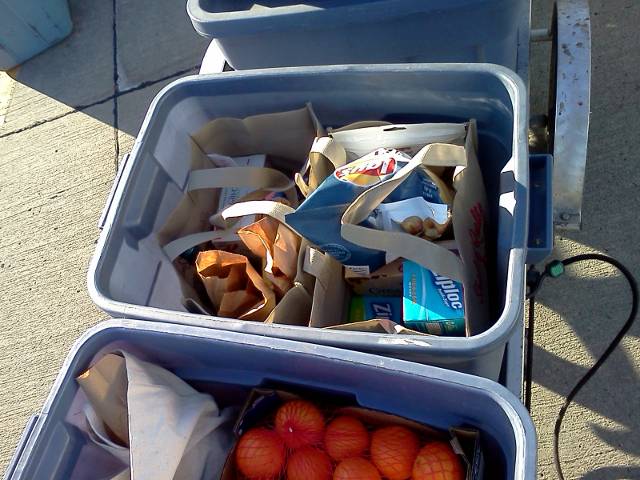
(309,463)
(166,429)
(415,216)
(318,293)
(281,136)
(318,217)
(346,437)
(260,454)
(334,439)
(356,468)
(432,303)
(468,217)
(437,461)
(277,248)
(362,138)
(368,308)
(232,194)
(393,451)
(384,282)
(234,287)
(299,423)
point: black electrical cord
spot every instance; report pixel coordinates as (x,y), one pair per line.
(554,269)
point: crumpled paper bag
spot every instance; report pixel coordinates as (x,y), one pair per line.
(234,287)
(277,246)
(174,432)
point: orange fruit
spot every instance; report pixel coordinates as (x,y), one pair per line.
(393,451)
(309,463)
(356,468)
(260,453)
(438,461)
(299,423)
(346,437)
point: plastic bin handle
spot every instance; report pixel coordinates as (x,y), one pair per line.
(114,188)
(540,239)
(26,433)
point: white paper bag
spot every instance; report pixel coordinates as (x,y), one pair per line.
(174,432)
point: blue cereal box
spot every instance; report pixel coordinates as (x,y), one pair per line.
(432,303)
(369,308)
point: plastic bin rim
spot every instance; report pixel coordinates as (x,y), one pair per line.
(478,344)
(371,8)
(507,400)
(515,411)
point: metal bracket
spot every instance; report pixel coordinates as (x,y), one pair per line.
(570,109)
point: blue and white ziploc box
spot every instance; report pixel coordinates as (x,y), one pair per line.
(369,308)
(432,303)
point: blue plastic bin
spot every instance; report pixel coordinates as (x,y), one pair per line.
(216,361)
(130,277)
(280,33)
(27,27)
(541,208)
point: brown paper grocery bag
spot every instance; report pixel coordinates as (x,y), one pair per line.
(105,386)
(285,136)
(469,217)
(318,297)
(234,287)
(173,431)
(295,306)
(277,247)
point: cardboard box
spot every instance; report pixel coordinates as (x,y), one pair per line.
(364,308)
(384,282)
(432,303)
(262,404)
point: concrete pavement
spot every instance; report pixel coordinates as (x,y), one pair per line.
(57,165)
(581,313)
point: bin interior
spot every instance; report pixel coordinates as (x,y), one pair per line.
(222,6)
(131,267)
(240,5)
(229,365)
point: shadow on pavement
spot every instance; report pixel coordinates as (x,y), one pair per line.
(154,39)
(613,473)
(594,309)
(594,301)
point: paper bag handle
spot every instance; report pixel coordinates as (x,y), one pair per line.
(272,209)
(326,155)
(428,254)
(258,178)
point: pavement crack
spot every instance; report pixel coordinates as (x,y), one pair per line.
(116,87)
(80,108)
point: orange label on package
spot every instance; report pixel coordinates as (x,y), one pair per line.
(372,168)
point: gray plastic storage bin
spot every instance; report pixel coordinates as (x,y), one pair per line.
(28,27)
(53,448)
(281,33)
(130,277)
